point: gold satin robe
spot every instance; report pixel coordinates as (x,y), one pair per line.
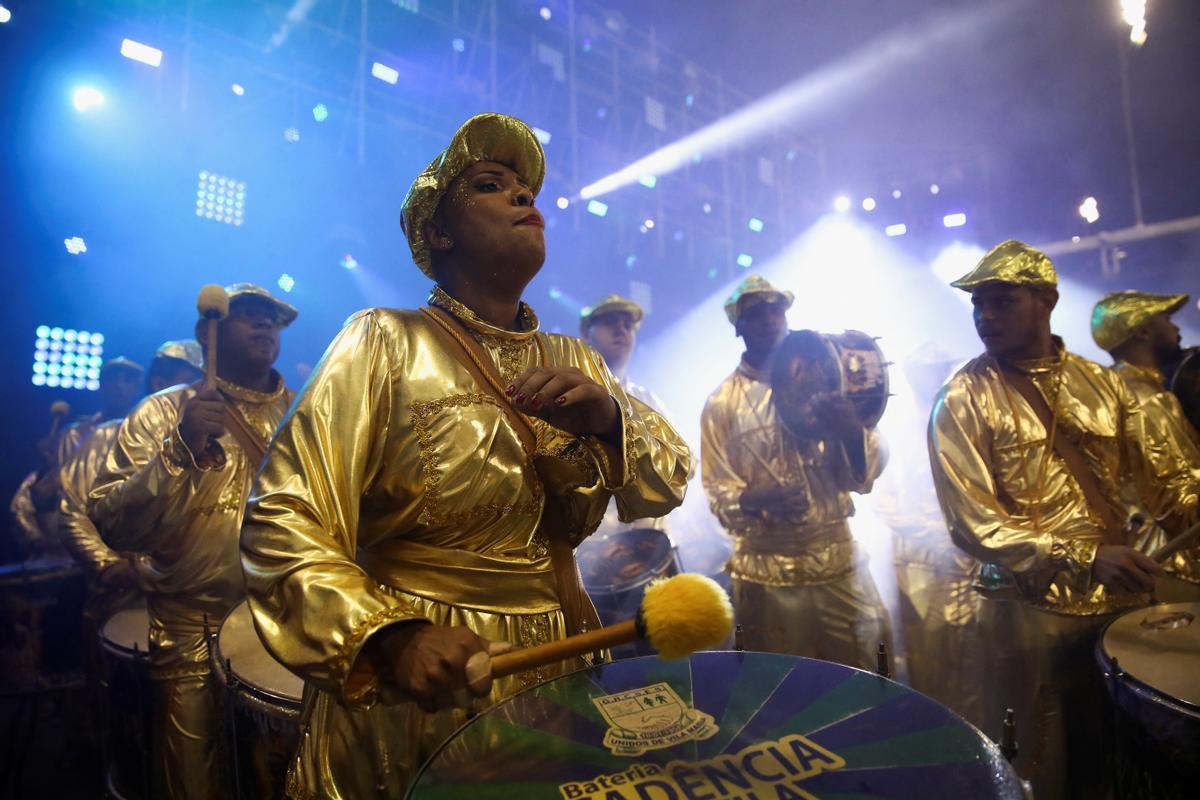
(78,533)
(611,524)
(1166,424)
(397,490)
(1038,539)
(183,512)
(800,584)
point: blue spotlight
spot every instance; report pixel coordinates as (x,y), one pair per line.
(899,229)
(649,181)
(348,261)
(744,260)
(384,73)
(542,136)
(144,53)
(5,15)
(954,220)
(597,208)
(85,98)
(320,112)
(459,45)
(75,245)
(71,361)
(755,224)
(286,282)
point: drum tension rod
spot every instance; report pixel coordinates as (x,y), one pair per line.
(739,643)
(1008,736)
(883,664)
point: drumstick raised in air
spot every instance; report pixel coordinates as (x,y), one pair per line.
(678,616)
(213,305)
(1185,539)
(59,410)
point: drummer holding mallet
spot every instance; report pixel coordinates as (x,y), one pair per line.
(800,584)
(1030,447)
(174,487)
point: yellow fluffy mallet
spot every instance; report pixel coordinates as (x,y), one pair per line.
(213,305)
(679,615)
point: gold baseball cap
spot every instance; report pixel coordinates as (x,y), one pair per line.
(750,292)
(121,362)
(1118,315)
(1010,262)
(183,350)
(285,312)
(612,302)
(484,137)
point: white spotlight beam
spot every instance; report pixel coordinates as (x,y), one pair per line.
(836,82)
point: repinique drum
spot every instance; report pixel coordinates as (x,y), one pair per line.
(616,569)
(1151,664)
(717,725)
(808,363)
(128,696)
(263,708)
(41,625)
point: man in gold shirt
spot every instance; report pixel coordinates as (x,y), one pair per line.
(1136,330)
(173,488)
(112,576)
(1029,445)
(800,584)
(35,505)
(421,501)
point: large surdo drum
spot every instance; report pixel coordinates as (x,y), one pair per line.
(127,699)
(262,708)
(41,628)
(717,725)
(1151,664)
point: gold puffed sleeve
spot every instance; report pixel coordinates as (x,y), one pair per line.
(959,446)
(79,470)
(314,607)
(144,483)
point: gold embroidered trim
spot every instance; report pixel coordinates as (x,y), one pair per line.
(430,463)
(526,319)
(365,626)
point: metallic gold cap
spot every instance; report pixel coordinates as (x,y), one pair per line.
(121,362)
(753,290)
(286,312)
(182,349)
(612,302)
(1118,315)
(484,137)
(1010,262)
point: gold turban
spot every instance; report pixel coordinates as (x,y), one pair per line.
(285,312)
(187,350)
(612,302)
(1119,314)
(753,290)
(1010,262)
(484,137)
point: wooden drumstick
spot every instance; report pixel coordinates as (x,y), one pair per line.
(213,305)
(1185,539)
(678,616)
(59,410)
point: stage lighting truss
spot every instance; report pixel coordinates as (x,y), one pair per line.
(220,199)
(65,358)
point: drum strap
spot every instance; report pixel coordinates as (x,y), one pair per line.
(251,442)
(578,611)
(1076,462)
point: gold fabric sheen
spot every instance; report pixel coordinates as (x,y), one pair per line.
(1167,428)
(743,445)
(78,472)
(186,350)
(183,512)
(752,290)
(611,302)
(1016,507)
(484,137)
(1118,315)
(398,490)
(286,312)
(1010,262)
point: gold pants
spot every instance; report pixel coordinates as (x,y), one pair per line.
(1043,666)
(188,754)
(939,617)
(840,620)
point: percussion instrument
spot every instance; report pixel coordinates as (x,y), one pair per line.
(808,363)
(1151,659)
(41,626)
(717,724)
(262,708)
(616,568)
(127,700)
(1185,383)
(709,556)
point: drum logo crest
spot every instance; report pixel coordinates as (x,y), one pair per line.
(650,718)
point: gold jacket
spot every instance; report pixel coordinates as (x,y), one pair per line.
(988,448)
(1166,427)
(742,445)
(182,511)
(34,527)
(78,473)
(397,489)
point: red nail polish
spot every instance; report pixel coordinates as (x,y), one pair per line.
(558,401)
(521,398)
(512,387)
(537,401)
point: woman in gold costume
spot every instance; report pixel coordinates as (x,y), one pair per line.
(422,499)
